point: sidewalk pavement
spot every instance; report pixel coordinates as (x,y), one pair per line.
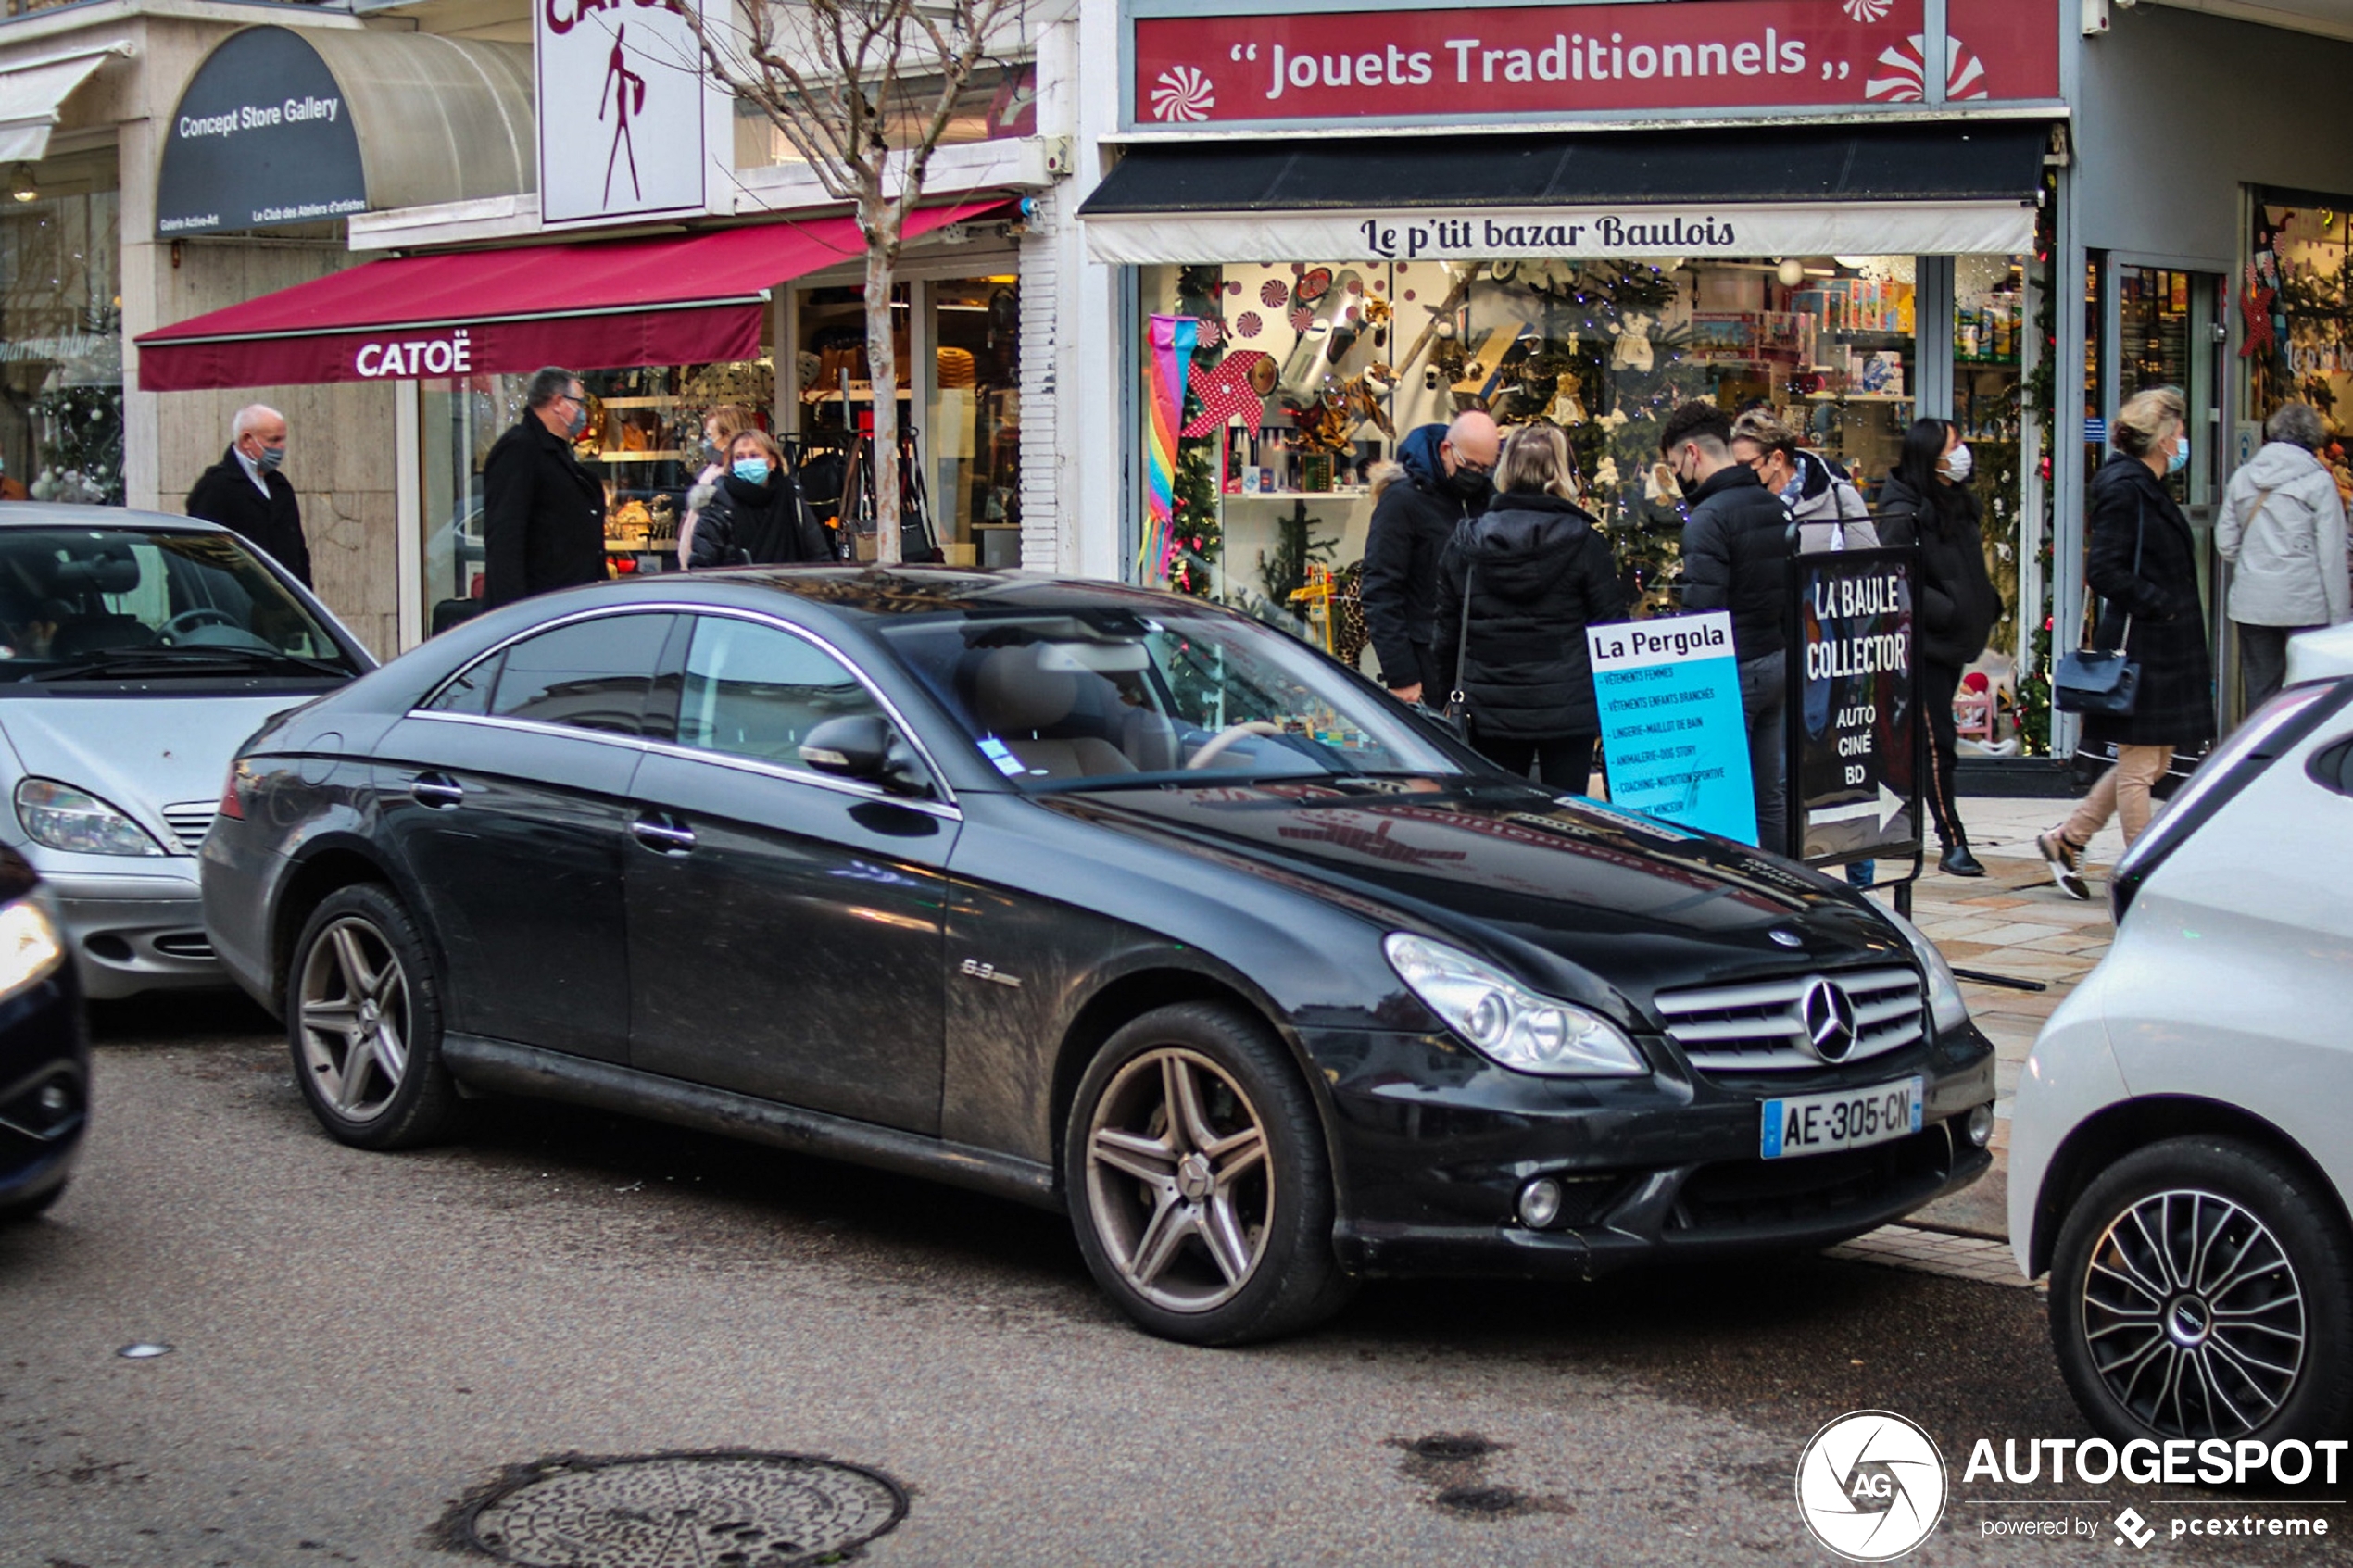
(2012,921)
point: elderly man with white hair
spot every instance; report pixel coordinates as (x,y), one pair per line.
(245,491)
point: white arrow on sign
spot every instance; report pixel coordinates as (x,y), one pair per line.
(1885,808)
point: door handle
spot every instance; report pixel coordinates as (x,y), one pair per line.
(662,833)
(437,790)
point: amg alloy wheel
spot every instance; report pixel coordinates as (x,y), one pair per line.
(363,1017)
(1199,1188)
(2200,1290)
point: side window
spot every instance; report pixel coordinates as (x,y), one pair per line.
(469,691)
(591,674)
(756,690)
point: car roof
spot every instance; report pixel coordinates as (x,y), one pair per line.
(67,514)
(871,591)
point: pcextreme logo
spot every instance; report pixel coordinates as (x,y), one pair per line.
(1870,1486)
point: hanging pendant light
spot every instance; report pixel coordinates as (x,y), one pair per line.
(20,183)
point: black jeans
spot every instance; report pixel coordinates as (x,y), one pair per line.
(1764,704)
(2264,660)
(1561,761)
(1938,685)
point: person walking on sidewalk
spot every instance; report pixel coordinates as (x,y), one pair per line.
(1444,474)
(1736,550)
(1928,502)
(245,491)
(543,515)
(2142,562)
(1525,579)
(2282,525)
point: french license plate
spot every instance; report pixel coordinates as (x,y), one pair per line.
(1849,1119)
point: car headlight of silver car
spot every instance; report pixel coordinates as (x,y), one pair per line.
(30,948)
(61,816)
(1945,1002)
(1503,1019)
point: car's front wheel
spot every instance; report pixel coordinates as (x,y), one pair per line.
(363,1017)
(2202,1287)
(1198,1184)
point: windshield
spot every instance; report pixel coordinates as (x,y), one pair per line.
(83,602)
(1189,695)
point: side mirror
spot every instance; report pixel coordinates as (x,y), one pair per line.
(865,748)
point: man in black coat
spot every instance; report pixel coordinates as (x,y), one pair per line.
(246,492)
(1736,550)
(1442,476)
(543,515)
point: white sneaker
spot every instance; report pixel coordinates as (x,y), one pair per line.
(2066,862)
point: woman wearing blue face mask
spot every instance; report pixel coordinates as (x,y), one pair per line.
(752,515)
(2143,566)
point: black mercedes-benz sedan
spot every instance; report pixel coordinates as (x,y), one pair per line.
(1097,899)
(45,1049)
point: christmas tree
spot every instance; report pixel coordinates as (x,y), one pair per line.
(1193,501)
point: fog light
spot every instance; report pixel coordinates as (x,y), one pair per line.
(1539,1203)
(1980,1126)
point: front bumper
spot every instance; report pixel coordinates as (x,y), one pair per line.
(1434,1144)
(45,1090)
(133,932)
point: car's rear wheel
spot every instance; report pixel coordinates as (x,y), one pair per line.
(2202,1287)
(1198,1184)
(363,1017)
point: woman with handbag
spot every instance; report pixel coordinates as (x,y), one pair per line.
(1928,502)
(1516,588)
(2144,565)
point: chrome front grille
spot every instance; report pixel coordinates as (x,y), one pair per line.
(1742,1028)
(190,822)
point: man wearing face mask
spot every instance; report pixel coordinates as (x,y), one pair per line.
(1736,549)
(1443,475)
(543,515)
(245,491)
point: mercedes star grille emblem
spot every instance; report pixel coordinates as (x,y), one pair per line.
(1829,1016)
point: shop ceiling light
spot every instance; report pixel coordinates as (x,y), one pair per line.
(20,183)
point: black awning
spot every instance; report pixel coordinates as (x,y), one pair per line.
(1971,161)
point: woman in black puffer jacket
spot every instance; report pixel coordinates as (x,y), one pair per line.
(1536,571)
(752,516)
(1928,502)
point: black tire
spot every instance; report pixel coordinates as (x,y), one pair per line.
(34,1207)
(2274,1344)
(382,1108)
(1200,1234)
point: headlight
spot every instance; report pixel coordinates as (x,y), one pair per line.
(1945,1003)
(67,819)
(1503,1019)
(30,949)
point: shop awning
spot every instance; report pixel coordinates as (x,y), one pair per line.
(674,300)
(1950,188)
(33,95)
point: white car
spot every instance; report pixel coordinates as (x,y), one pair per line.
(2181,1152)
(2319,654)
(136,652)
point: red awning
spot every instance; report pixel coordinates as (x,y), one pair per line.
(587,306)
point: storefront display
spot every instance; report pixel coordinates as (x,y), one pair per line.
(61,331)
(2294,301)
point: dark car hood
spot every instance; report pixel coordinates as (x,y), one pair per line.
(1641,905)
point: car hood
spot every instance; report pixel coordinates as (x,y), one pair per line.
(139,754)
(1638,903)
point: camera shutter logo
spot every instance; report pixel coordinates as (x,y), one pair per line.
(1870,1486)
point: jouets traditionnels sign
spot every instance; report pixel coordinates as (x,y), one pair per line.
(1561,61)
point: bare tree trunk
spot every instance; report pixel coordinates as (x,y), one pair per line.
(882,358)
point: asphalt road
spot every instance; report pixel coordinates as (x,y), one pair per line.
(360,1340)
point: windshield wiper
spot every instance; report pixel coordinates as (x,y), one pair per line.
(119,662)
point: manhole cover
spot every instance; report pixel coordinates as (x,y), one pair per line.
(685,1511)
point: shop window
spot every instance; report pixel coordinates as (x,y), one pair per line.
(1991,327)
(2295,304)
(976,419)
(61,333)
(1307,374)
(643,439)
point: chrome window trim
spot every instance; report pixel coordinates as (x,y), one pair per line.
(946,806)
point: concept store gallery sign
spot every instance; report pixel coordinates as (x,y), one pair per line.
(1309,63)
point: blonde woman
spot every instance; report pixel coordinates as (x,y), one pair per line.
(752,516)
(2143,566)
(720,428)
(1536,571)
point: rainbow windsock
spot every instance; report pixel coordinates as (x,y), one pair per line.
(1172,351)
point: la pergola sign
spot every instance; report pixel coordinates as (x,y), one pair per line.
(1252,63)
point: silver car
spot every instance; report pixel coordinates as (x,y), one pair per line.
(136,651)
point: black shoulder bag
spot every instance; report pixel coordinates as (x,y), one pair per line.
(1455,718)
(2104,682)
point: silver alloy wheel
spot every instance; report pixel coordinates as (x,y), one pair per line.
(354,1019)
(2194,1315)
(1179,1179)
